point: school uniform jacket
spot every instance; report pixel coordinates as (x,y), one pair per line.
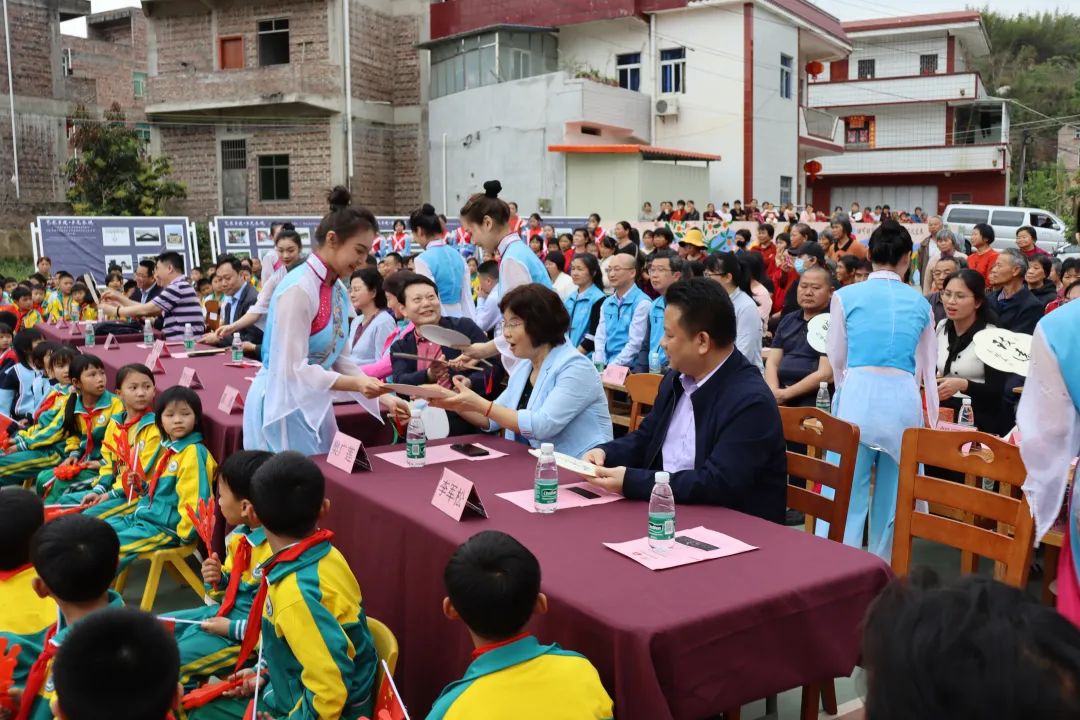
(143,436)
(316,643)
(187,469)
(48,432)
(85,444)
(25,618)
(249,584)
(525,680)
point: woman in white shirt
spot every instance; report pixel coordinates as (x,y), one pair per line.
(560,281)
(374,322)
(726,269)
(607,247)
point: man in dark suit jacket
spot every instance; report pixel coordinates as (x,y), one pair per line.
(240,296)
(715,426)
(1016,308)
(419,297)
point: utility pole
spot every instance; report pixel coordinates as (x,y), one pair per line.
(1024,137)
(11,102)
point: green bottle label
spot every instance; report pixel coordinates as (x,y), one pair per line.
(661,526)
(415,449)
(546,492)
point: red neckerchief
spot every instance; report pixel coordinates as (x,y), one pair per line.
(151,487)
(254,620)
(241,562)
(9,355)
(492,646)
(6,575)
(39,672)
(91,418)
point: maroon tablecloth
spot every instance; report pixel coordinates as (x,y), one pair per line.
(223,433)
(683,643)
(53,333)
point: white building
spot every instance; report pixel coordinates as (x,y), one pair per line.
(693,80)
(920,129)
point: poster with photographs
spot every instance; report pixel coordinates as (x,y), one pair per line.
(263,238)
(305,236)
(231,235)
(90,244)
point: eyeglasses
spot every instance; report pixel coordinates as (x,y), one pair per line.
(620,268)
(950,295)
(658,269)
(710,274)
(513,325)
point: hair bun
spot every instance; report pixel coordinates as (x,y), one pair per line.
(427,209)
(339,198)
(492,188)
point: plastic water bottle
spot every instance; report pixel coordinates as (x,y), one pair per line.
(967,415)
(662,515)
(189,338)
(148,332)
(416,441)
(654,363)
(101,315)
(88,334)
(824,402)
(546,487)
(237,348)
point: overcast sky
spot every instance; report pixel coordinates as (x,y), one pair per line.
(843,9)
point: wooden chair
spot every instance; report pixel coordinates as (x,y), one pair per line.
(642,389)
(1009,545)
(820,432)
(213,315)
(172,560)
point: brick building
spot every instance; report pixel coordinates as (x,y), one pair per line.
(52,73)
(248,100)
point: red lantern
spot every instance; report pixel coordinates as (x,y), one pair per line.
(812,168)
(815,68)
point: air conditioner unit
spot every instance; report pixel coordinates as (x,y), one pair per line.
(65,61)
(667,107)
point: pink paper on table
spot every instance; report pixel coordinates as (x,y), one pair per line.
(567,498)
(439,454)
(452,493)
(615,374)
(681,554)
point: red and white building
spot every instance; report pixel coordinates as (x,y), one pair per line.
(920,128)
(524,90)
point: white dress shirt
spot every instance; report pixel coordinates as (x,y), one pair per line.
(680,444)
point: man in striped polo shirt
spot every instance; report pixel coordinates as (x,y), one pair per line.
(177,302)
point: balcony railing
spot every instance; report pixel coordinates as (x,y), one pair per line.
(953,158)
(956,87)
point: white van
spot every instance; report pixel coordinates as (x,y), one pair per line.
(1005,220)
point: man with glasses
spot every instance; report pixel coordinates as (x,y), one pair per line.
(944,267)
(665,269)
(624,316)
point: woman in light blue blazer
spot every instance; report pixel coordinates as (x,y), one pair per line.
(554,395)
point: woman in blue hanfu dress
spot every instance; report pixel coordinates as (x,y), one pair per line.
(305,363)
(882,347)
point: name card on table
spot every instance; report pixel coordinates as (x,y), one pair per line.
(455,496)
(153,358)
(62,324)
(348,454)
(189,378)
(75,329)
(230,400)
(162,349)
(615,374)
(111,343)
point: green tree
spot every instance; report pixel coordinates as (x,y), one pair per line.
(111,172)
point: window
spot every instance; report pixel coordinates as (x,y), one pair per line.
(786,66)
(785,190)
(273,42)
(490,58)
(867,70)
(1007,218)
(519,64)
(859,131)
(959,198)
(139,81)
(967,216)
(673,71)
(231,53)
(928,64)
(628,67)
(234,155)
(143,131)
(273,177)
(1042,220)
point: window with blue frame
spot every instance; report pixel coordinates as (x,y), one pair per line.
(628,66)
(673,71)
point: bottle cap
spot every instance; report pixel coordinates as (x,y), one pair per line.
(663,477)
(823,384)
(415,411)
(547,448)
(966,401)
